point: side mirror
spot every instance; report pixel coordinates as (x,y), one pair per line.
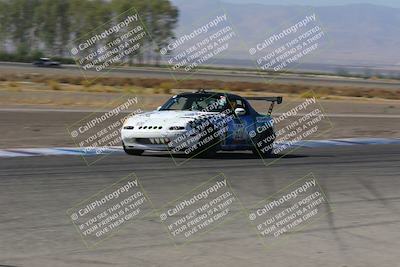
(240,111)
(159,108)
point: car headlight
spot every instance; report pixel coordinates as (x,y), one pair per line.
(176,128)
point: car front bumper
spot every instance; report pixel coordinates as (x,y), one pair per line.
(150,140)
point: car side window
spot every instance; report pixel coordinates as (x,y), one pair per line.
(177,103)
(240,104)
(237,103)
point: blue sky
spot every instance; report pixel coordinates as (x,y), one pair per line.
(392,3)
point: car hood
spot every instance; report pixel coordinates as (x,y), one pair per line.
(166,118)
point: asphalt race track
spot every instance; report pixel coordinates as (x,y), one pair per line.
(361,182)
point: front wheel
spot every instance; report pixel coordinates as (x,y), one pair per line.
(130,151)
(209,144)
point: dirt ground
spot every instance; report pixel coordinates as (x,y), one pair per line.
(37,97)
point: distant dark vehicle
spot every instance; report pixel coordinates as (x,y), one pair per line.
(46,62)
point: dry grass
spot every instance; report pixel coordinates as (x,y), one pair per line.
(13,84)
(53,85)
(165,86)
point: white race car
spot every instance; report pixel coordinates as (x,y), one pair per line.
(200,123)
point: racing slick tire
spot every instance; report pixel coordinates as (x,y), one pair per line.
(130,151)
(210,148)
(269,144)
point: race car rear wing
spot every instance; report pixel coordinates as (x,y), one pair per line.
(272,99)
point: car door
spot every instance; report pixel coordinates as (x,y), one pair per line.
(237,135)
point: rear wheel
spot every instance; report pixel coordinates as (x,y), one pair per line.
(267,139)
(131,151)
(266,153)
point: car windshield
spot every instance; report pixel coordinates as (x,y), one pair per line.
(195,102)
